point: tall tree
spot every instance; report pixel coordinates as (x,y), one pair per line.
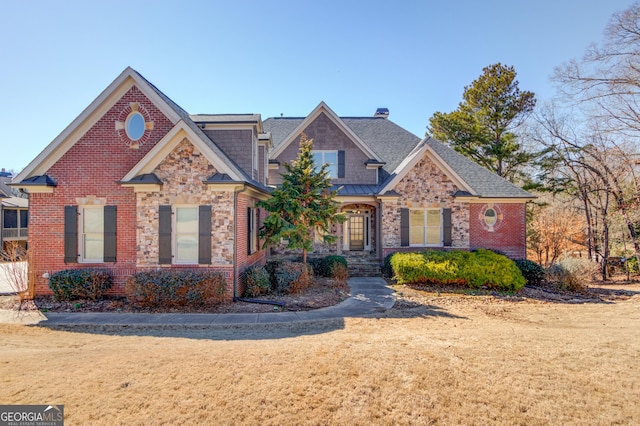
(482,128)
(606,81)
(302,205)
(605,85)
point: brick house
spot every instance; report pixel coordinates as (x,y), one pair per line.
(400,192)
(135,183)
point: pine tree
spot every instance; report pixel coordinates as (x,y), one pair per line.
(482,128)
(303,204)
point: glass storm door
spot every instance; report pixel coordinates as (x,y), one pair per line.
(356,233)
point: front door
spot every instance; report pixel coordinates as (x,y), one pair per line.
(356,232)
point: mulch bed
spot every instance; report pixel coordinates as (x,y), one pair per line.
(322,293)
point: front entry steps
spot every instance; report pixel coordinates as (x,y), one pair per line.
(363,264)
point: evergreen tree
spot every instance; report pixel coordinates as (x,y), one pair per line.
(482,126)
(303,204)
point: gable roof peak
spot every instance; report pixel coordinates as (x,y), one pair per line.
(323,108)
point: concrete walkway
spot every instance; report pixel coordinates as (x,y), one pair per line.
(368,296)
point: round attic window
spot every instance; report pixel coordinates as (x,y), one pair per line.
(134,126)
(490,217)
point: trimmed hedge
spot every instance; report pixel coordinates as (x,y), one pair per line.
(176,288)
(256,281)
(482,268)
(74,284)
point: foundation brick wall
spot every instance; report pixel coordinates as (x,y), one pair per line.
(243,258)
(92,167)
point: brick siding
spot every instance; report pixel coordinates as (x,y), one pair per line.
(92,167)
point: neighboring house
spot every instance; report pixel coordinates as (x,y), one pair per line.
(14,214)
(136,183)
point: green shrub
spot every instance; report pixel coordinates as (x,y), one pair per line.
(73,284)
(431,267)
(482,268)
(486,268)
(316,264)
(532,272)
(256,281)
(271,267)
(387,269)
(292,277)
(632,264)
(175,288)
(329,262)
(322,266)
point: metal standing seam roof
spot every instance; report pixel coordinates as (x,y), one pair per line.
(355,190)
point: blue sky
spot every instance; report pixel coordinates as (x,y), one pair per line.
(273,57)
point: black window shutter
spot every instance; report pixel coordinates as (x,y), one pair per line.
(164,237)
(109,233)
(404,227)
(249,230)
(70,234)
(204,235)
(257,229)
(340,164)
(446,227)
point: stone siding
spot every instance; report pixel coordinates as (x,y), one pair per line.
(182,173)
(425,186)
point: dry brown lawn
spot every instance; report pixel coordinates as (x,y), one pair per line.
(434,360)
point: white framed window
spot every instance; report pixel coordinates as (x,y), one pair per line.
(425,227)
(321,157)
(185,235)
(91,226)
(135,125)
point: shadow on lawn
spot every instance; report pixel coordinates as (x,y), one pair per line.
(207,332)
(412,309)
